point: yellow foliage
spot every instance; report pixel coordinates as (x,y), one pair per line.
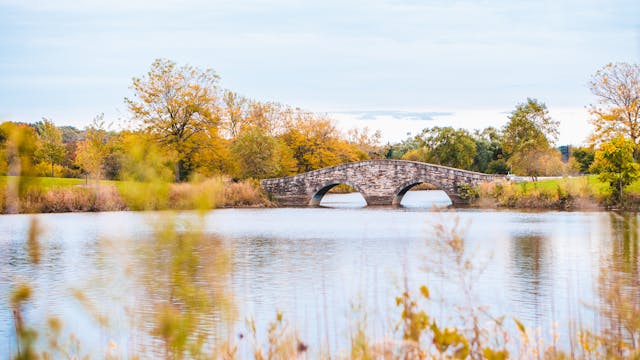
(174,104)
(91,152)
(209,154)
(491,354)
(617,88)
(420,154)
(316,143)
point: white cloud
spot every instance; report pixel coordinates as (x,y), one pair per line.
(574,127)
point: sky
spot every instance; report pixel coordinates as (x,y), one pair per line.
(397,66)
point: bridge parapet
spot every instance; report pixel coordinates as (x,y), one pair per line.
(381,182)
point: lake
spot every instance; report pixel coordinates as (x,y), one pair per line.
(318,266)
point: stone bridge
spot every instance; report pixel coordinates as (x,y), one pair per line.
(380,182)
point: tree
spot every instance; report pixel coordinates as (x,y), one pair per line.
(143,159)
(498,166)
(17,147)
(527,138)
(70,138)
(209,154)
(529,124)
(449,147)
(175,103)
(18,143)
(366,140)
(92,151)
(617,113)
(584,156)
(272,117)
(534,161)
(488,151)
(70,134)
(399,150)
(615,165)
(259,155)
(235,109)
(50,146)
(316,143)
(420,154)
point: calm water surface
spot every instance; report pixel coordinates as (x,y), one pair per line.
(316,264)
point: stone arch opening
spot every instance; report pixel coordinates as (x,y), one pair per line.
(402,191)
(319,194)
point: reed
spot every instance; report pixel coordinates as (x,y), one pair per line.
(203,194)
(246,193)
(560,195)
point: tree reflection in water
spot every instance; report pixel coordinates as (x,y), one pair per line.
(619,289)
(530,261)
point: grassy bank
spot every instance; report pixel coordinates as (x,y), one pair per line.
(54,195)
(586,192)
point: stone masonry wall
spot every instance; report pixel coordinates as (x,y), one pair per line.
(381,182)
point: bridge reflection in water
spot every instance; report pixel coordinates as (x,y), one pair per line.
(380,182)
(419,199)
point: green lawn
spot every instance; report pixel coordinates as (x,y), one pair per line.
(53,182)
(582,181)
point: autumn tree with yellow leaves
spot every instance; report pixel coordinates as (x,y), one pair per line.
(615,165)
(617,112)
(208,131)
(92,151)
(316,143)
(50,148)
(174,104)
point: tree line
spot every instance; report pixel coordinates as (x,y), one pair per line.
(186,124)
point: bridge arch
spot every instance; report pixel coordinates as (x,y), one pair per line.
(401,190)
(322,190)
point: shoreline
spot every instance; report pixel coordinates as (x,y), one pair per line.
(635,207)
(223,193)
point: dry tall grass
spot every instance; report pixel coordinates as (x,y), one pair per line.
(206,194)
(562,196)
(245,194)
(72,199)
